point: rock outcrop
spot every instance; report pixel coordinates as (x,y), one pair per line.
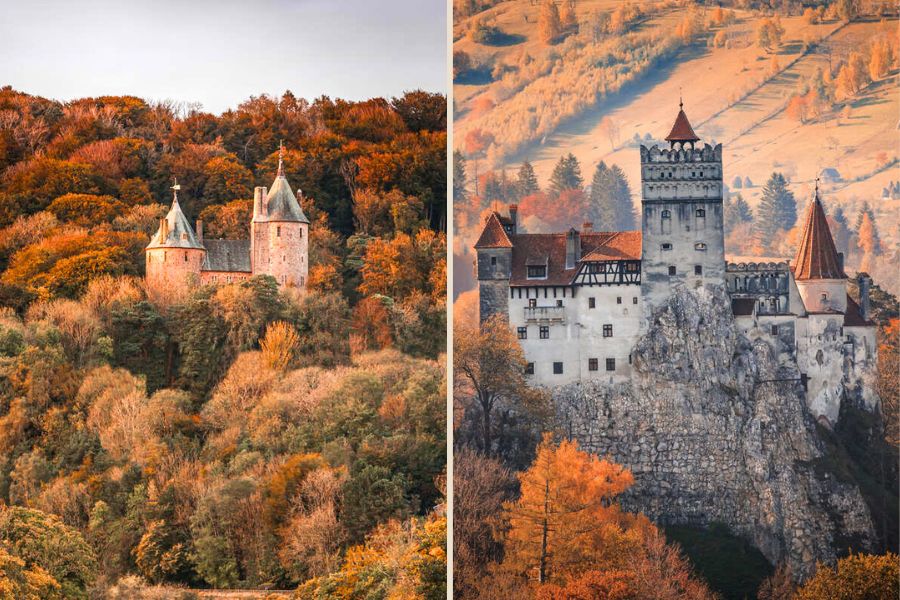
(716,431)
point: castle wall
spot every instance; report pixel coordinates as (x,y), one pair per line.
(576,331)
(168,268)
(820,357)
(494,266)
(280,249)
(822,295)
(220,277)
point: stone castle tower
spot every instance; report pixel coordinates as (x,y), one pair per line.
(174,255)
(683,236)
(177,257)
(279,234)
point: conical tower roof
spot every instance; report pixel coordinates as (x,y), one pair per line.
(282,203)
(817,258)
(682,130)
(179,233)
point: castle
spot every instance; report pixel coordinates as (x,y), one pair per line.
(579,301)
(177,256)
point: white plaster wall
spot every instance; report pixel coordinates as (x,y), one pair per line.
(820,356)
(835,290)
(580,338)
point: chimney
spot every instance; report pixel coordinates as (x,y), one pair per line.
(259,202)
(513,212)
(841,261)
(199,231)
(573,248)
(865,282)
(587,227)
(163,230)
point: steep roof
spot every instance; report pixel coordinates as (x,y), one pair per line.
(179,234)
(282,203)
(817,257)
(493,235)
(227,255)
(550,249)
(682,130)
(853,315)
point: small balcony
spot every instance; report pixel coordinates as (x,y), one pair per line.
(545,314)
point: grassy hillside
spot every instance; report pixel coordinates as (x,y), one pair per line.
(735,92)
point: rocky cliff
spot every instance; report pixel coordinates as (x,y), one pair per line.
(716,431)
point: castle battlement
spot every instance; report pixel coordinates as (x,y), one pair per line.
(655,154)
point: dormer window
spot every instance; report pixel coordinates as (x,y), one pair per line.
(537,272)
(184,236)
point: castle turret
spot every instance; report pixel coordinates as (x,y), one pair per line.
(279,233)
(494,250)
(174,255)
(683,238)
(818,268)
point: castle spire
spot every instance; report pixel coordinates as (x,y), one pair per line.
(682,132)
(817,257)
(280,159)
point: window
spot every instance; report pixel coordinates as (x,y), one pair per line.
(632,267)
(545,332)
(700,212)
(529,369)
(666,246)
(185,257)
(700,246)
(592,303)
(278,231)
(634,300)
(698,269)
(593,364)
(532,303)
(671,270)
(522,332)
(607,331)
(559,304)
(557,368)
(824,297)
(619,300)
(610,364)
(493,260)
(667,214)
(537,272)
(596,268)
(774,329)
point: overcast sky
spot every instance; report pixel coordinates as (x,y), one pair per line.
(220,52)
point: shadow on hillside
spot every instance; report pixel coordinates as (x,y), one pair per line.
(501,39)
(479,76)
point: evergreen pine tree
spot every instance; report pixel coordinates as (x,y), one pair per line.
(566,175)
(840,231)
(777,210)
(459,177)
(527,183)
(490,187)
(737,212)
(611,208)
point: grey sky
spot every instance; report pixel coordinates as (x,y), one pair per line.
(219,53)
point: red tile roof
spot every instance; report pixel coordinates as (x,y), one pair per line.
(682,130)
(532,248)
(493,235)
(817,257)
(853,317)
